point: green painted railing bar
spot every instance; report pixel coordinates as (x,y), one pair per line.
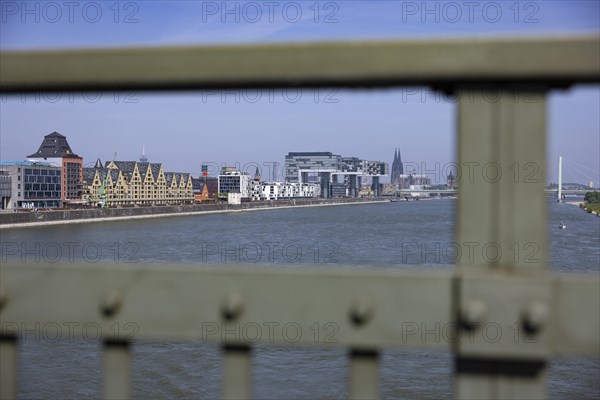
(207,304)
(117,370)
(364,374)
(237,372)
(401,305)
(505,215)
(9,364)
(445,63)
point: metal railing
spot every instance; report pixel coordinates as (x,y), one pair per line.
(371,308)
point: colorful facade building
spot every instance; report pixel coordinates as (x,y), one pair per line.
(205,188)
(127,183)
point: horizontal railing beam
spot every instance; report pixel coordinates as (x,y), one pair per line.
(237,306)
(352,308)
(442,63)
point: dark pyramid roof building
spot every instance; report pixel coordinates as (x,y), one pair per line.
(54,145)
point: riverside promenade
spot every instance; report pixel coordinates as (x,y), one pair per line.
(21,219)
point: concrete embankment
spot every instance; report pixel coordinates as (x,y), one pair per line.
(55,217)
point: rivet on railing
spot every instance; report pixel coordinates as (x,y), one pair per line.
(3,297)
(534,317)
(111,303)
(232,307)
(361,312)
(472,314)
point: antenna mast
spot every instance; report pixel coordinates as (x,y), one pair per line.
(559,179)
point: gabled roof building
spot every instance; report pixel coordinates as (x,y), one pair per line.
(128,183)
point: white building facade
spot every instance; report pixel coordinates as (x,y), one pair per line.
(281,190)
(235,181)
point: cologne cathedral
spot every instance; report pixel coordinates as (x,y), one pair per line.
(405,181)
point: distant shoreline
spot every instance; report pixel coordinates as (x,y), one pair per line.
(248,207)
(574,203)
(582,204)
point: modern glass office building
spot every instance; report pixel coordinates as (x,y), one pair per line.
(338,176)
(28,184)
(299,164)
(232,180)
(55,148)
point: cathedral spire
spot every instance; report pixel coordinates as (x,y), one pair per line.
(257,175)
(401,166)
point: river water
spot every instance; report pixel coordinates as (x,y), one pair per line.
(394,235)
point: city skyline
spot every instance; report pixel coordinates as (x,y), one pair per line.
(573,171)
(184,130)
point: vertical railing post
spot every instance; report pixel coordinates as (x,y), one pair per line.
(9,366)
(237,367)
(501,227)
(364,374)
(502,159)
(117,369)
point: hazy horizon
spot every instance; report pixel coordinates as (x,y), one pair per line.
(184,130)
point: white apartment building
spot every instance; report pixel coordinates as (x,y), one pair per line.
(235,181)
(281,190)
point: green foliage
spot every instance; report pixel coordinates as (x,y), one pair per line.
(592,197)
(592,207)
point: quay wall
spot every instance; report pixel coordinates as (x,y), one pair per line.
(90,214)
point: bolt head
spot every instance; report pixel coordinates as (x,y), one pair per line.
(232,307)
(472,314)
(111,303)
(361,312)
(534,318)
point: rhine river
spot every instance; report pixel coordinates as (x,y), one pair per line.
(356,236)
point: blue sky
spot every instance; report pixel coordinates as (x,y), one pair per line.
(184,130)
